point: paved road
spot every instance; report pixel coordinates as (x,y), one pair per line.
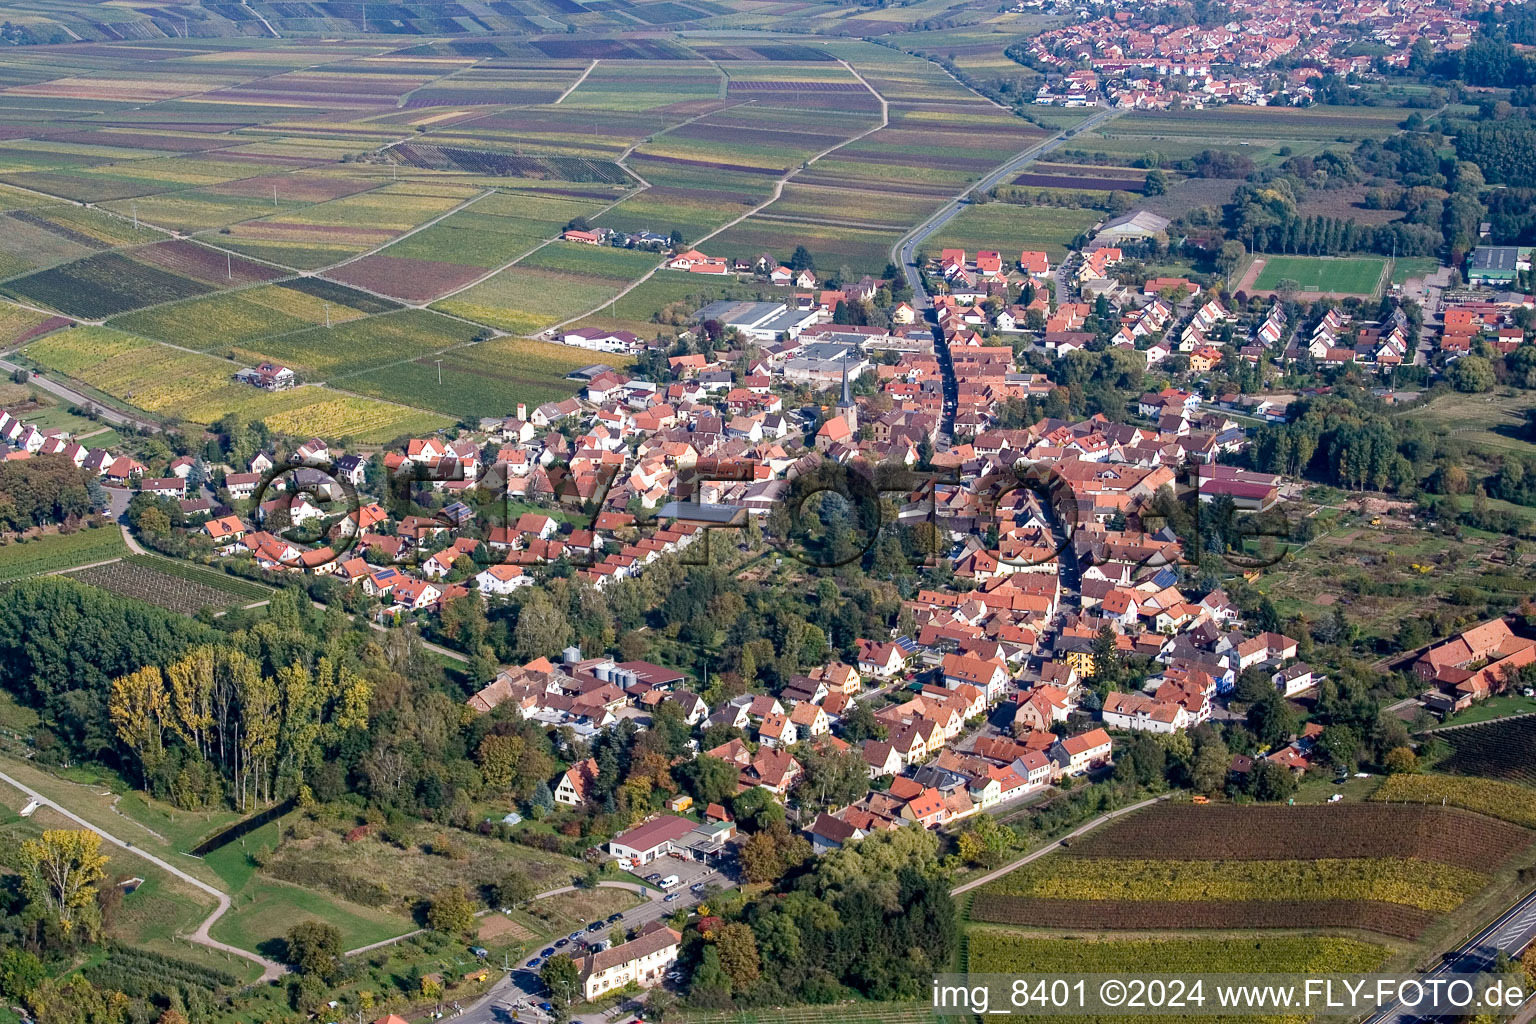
(1512,932)
(53,387)
(904,252)
(270,969)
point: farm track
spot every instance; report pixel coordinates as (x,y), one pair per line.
(574,85)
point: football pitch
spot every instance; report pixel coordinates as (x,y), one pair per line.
(1357,275)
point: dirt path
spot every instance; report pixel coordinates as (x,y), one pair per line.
(1027,858)
(270,969)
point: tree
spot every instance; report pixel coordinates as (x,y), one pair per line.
(515,889)
(563,979)
(1156,183)
(314,947)
(451,911)
(62,868)
(541,628)
(801,260)
(833,778)
(737,947)
(1401,761)
(1471,374)
(20,973)
(1212,760)
(985,842)
(75,1001)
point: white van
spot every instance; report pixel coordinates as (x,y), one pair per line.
(670,882)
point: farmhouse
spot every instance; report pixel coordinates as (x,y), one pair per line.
(268,377)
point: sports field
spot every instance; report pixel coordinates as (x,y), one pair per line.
(1325,275)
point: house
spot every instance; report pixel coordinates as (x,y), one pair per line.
(829,833)
(576,783)
(1079,754)
(990,677)
(643,961)
(501,579)
(225,530)
(775,770)
(881,659)
(1135,711)
(656,838)
(166,487)
(268,377)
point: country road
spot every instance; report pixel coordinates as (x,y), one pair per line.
(270,969)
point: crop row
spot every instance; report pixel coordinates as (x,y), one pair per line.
(1171,831)
(1497,750)
(145,584)
(104,285)
(1141,915)
(995,950)
(1414,883)
(1486,796)
(231,585)
(509,165)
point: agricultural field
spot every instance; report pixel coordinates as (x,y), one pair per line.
(1002,951)
(1386,869)
(200,388)
(1493,750)
(58,551)
(101,286)
(322,353)
(486,379)
(1503,800)
(330,232)
(1013,229)
(216,323)
(1323,275)
(525,298)
(178,590)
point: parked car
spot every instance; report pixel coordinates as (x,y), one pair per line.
(561,942)
(574,936)
(612,918)
(595,926)
(547,952)
(672,896)
(535,962)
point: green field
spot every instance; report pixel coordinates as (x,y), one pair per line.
(1012,229)
(59,551)
(1491,423)
(1352,275)
(1413,266)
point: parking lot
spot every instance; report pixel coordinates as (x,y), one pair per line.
(689,872)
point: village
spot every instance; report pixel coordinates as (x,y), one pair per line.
(1262,54)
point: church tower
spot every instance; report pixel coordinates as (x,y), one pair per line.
(845,406)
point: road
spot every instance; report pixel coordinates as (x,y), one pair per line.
(112,416)
(904,252)
(1511,932)
(270,970)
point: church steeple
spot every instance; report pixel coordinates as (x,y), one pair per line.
(845,407)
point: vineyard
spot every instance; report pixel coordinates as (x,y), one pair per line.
(1387,869)
(234,586)
(59,551)
(1494,750)
(1173,831)
(104,285)
(999,950)
(1413,883)
(1391,919)
(1503,800)
(509,165)
(149,582)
